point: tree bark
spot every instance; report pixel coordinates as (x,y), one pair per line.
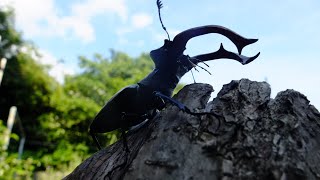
(252,136)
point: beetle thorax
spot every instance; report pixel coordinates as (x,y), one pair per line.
(169,68)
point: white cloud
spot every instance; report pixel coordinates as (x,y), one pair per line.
(91,8)
(80,27)
(57,69)
(43,17)
(141,20)
(138,21)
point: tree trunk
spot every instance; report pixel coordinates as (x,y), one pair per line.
(251,137)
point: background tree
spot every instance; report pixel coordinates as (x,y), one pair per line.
(26,83)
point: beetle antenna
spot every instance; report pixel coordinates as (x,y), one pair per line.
(193,77)
(204,69)
(196,65)
(205,64)
(159,5)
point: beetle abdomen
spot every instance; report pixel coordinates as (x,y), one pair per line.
(109,118)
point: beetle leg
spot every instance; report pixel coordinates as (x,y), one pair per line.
(184,108)
(94,137)
(124,140)
(181,106)
(123,134)
(126,117)
(147,117)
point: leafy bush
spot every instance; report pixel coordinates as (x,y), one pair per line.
(11,167)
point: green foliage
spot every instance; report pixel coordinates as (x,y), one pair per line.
(9,36)
(10,165)
(26,83)
(65,155)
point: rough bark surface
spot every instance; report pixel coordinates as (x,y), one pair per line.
(251,137)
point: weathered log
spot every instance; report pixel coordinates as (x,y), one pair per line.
(251,137)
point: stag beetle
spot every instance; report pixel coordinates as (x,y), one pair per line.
(136,103)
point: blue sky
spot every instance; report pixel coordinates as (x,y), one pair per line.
(288,33)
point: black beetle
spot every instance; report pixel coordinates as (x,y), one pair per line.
(136,103)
